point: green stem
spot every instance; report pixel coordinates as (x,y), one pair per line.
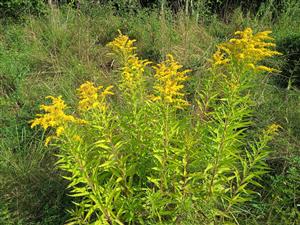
(216,162)
(164,182)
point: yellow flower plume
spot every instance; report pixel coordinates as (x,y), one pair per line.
(247,48)
(122,44)
(91,97)
(133,67)
(132,74)
(169,82)
(54,117)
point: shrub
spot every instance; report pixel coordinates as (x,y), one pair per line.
(15,8)
(154,157)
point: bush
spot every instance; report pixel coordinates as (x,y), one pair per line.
(16,8)
(152,158)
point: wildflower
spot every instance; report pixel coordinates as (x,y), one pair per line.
(133,67)
(219,57)
(88,95)
(48,139)
(122,44)
(169,82)
(59,130)
(267,69)
(106,92)
(247,48)
(54,117)
(91,97)
(132,73)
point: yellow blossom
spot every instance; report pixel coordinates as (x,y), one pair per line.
(132,73)
(48,139)
(122,44)
(169,82)
(60,130)
(88,95)
(91,97)
(251,66)
(219,57)
(267,69)
(247,48)
(133,67)
(54,117)
(107,91)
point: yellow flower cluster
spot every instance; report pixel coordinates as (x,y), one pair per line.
(132,73)
(169,82)
(122,44)
(91,97)
(247,48)
(54,117)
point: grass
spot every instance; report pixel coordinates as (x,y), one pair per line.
(54,53)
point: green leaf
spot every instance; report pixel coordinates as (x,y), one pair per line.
(155,181)
(90,212)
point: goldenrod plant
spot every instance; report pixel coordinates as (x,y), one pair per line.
(158,157)
(233,163)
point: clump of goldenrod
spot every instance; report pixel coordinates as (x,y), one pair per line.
(169,82)
(247,48)
(142,163)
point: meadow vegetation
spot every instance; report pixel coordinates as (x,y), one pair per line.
(123,112)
